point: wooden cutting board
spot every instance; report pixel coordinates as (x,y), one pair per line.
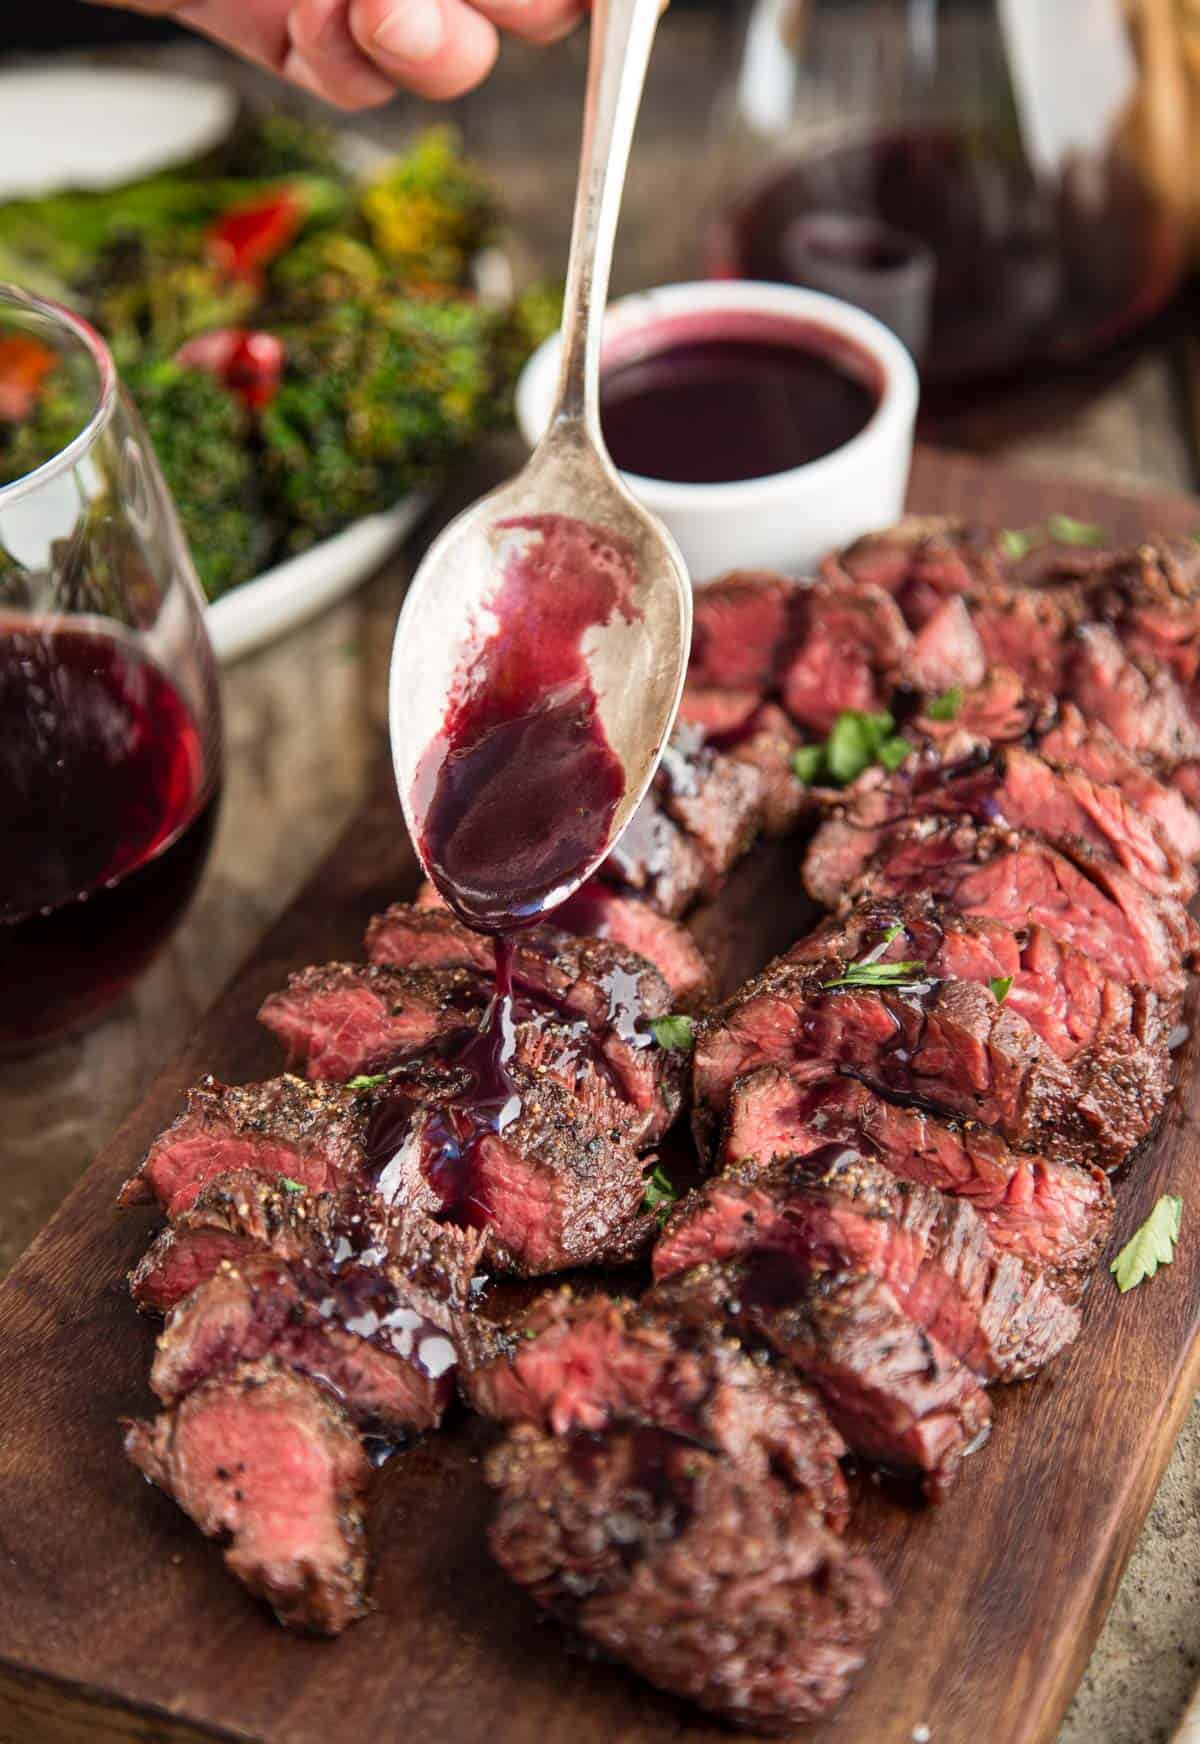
(118,1623)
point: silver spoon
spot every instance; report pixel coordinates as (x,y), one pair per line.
(637,669)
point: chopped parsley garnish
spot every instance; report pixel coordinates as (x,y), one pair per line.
(856,742)
(674,1032)
(1001,986)
(1065,531)
(367,1081)
(1152,1246)
(290,1186)
(1058,530)
(871,972)
(660,1193)
(946,706)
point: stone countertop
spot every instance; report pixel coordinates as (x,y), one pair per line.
(305,724)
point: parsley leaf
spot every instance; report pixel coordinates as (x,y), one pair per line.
(870,972)
(1152,1246)
(808,762)
(1001,986)
(660,1194)
(674,1032)
(1016,544)
(367,1081)
(1065,531)
(290,1186)
(893,752)
(946,706)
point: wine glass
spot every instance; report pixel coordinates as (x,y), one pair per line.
(110,722)
(990,177)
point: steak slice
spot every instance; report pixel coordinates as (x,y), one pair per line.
(1002,710)
(836,1209)
(1072,741)
(1083,899)
(586,1363)
(1037,1208)
(431,1265)
(346,1018)
(1013,787)
(718,1587)
(717,800)
(548,1187)
(1151,597)
(1136,698)
(310,1133)
(852,646)
(743,630)
(397,1382)
(946,652)
(267,1462)
(605,996)
(894,1393)
(946,1044)
(922,561)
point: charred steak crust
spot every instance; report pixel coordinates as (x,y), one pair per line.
(268,1462)
(713,1585)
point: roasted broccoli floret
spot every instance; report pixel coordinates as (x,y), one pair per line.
(278,144)
(429,212)
(374,397)
(57,411)
(147,299)
(516,333)
(200,435)
(328,268)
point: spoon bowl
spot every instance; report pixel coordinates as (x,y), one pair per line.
(573,527)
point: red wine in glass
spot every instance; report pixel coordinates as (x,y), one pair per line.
(108,813)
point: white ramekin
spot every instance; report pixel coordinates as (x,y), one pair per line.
(790,519)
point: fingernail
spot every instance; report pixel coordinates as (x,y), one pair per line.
(412,31)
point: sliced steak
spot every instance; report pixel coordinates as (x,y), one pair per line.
(1151,597)
(232,1215)
(715,1586)
(586,1363)
(946,1044)
(851,648)
(1002,710)
(1073,742)
(720,714)
(1013,787)
(1038,1208)
(716,799)
(584,1009)
(922,561)
(1136,698)
(267,1462)
(396,1382)
(743,631)
(310,1133)
(946,652)
(550,1189)
(598,911)
(1084,899)
(838,1209)
(657,860)
(344,1018)
(895,1395)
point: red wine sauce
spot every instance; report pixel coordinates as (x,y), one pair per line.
(106,824)
(714,411)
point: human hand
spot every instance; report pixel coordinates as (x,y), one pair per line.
(356,53)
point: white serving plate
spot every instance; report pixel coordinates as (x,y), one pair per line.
(83,126)
(290,593)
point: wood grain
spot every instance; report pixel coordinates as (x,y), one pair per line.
(117,1622)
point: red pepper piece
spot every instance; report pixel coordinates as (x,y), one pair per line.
(24,365)
(249,364)
(247,238)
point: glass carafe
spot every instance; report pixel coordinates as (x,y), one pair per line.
(992,177)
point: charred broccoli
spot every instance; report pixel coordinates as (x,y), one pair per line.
(278,144)
(325,269)
(517,331)
(429,212)
(200,435)
(148,299)
(374,397)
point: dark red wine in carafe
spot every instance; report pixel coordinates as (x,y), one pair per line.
(107,821)
(1025,269)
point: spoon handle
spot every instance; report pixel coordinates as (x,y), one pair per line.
(622,37)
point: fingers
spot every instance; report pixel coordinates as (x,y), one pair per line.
(325,59)
(536,20)
(438,48)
